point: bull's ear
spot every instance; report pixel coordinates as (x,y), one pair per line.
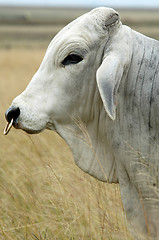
(109,75)
(112,19)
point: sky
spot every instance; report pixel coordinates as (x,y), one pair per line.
(85,3)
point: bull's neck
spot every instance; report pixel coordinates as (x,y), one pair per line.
(138,97)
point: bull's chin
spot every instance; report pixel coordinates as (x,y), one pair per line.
(30,131)
(27,130)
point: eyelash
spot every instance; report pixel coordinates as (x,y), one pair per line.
(72,59)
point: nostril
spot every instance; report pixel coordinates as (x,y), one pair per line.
(12,113)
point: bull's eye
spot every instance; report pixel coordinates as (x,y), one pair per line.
(72,59)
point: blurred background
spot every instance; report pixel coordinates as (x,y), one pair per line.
(43,194)
(34,23)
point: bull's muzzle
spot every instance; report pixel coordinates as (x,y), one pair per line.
(11,116)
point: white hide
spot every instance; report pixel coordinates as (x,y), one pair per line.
(105,107)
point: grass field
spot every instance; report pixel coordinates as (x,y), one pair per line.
(43,195)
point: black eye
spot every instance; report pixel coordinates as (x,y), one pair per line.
(72,59)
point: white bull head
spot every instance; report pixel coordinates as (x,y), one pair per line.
(88,89)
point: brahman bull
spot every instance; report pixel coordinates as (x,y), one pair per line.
(98,88)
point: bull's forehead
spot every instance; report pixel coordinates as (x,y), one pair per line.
(85,30)
(81,36)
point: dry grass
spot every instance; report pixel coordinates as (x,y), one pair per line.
(35,27)
(43,195)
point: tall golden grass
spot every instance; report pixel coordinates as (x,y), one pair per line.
(43,194)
